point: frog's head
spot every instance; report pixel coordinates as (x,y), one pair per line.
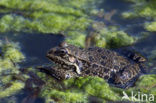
(64,56)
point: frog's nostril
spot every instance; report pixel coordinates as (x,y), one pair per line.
(50,52)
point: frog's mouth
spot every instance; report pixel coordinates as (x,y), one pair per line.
(66,62)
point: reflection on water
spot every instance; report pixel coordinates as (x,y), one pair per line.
(35,47)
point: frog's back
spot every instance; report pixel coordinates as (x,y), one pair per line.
(107,58)
(116,67)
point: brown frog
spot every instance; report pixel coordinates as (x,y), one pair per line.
(72,61)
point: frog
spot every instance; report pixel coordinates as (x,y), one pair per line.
(72,62)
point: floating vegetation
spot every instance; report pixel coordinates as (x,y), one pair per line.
(45,16)
(9,57)
(70,18)
(143,9)
(111,37)
(80,89)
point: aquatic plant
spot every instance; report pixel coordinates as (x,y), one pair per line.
(71,18)
(9,57)
(151,26)
(143,9)
(45,16)
(76,38)
(110,37)
(114,38)
(80,89)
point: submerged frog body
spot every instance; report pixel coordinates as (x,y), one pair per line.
(72,61)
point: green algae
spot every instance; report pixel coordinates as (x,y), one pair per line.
(48,23)
(111,37)
(83,87)
(97,87)
(66,96)
(143,9)
(117,38)
(71,18)
(76,38)
(151,26)
(47,16)
(55,91)
(11,51)
(146,83)
(10,55)
(79,90)
(15,87)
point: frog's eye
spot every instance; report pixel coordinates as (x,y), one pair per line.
(63,44)
(61,52)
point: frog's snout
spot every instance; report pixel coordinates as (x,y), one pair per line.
(50,52)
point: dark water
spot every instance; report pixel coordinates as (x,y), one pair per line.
(35,46)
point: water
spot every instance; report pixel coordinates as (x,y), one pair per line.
(35,46)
